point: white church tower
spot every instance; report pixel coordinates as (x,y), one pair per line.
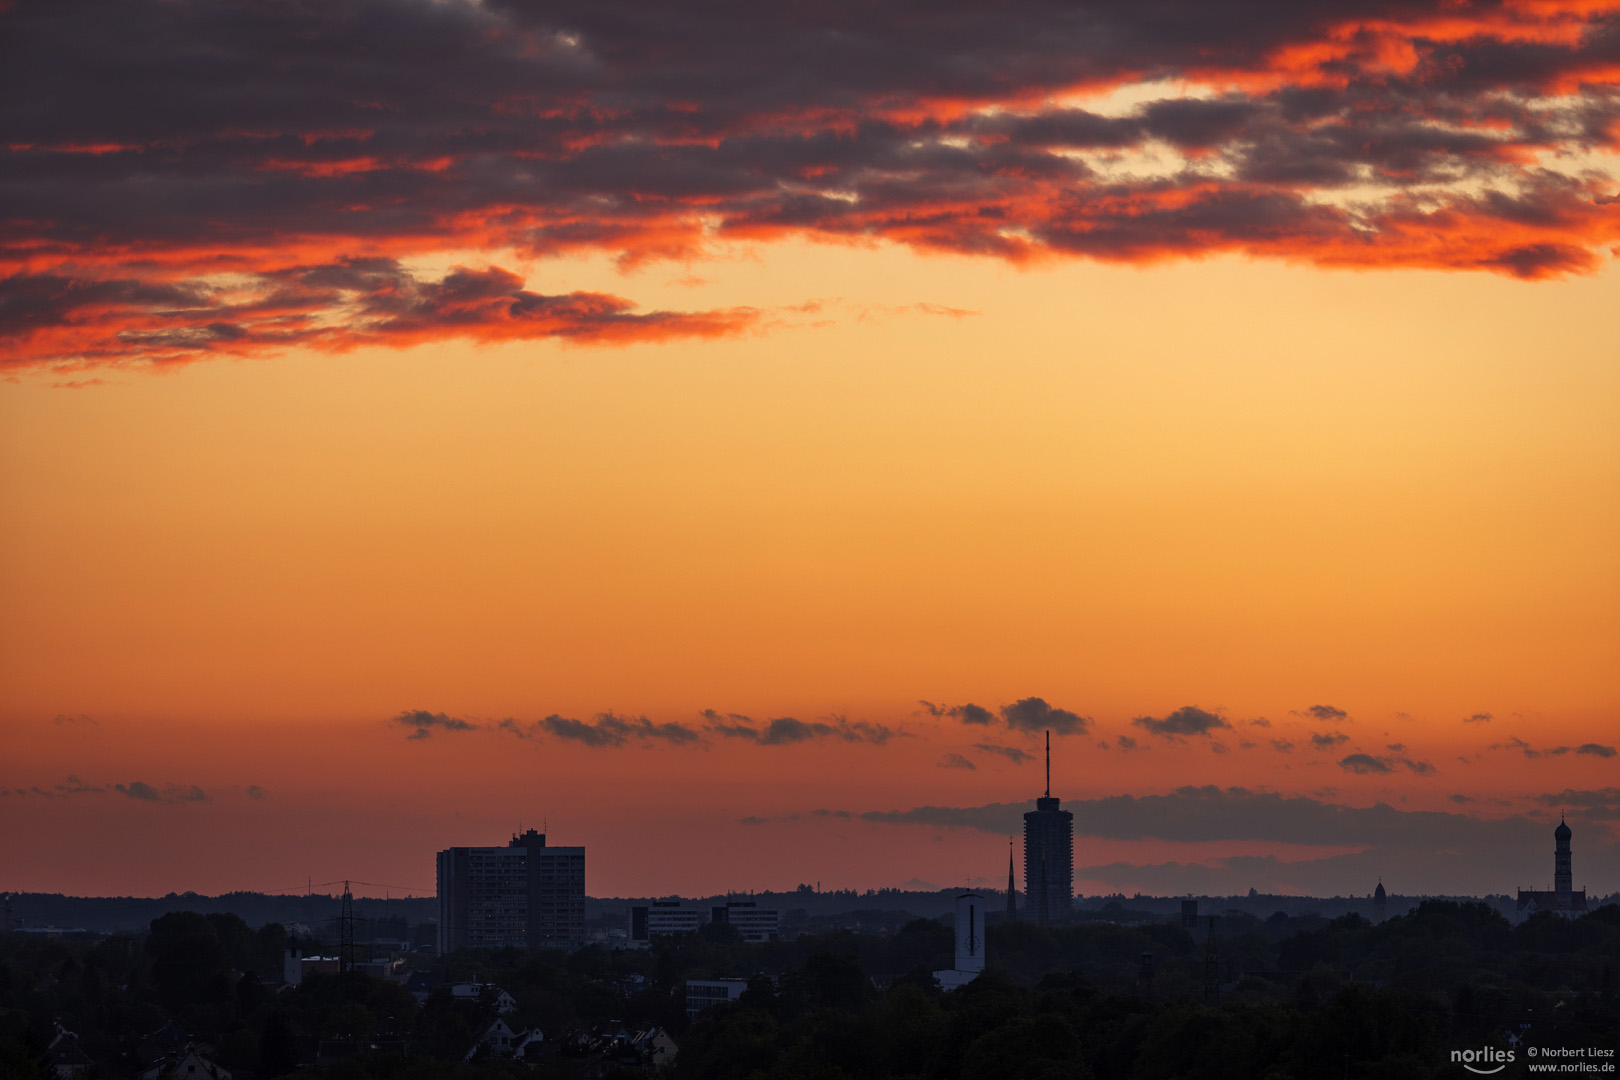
(969,943)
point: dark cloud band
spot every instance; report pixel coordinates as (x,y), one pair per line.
(190,178)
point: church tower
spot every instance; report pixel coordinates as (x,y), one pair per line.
(1563,876)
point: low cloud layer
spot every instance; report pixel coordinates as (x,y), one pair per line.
(264,176)
(1414,850)
(1601,804)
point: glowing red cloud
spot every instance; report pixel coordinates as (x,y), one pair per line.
(1342,132)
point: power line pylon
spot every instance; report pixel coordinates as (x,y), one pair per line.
(346,932)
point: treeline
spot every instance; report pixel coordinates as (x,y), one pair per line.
(1296,998)
(132,914)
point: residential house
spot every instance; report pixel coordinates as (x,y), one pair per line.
(65,1057)
(189,1064)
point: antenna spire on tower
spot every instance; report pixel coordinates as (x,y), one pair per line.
(1049,763)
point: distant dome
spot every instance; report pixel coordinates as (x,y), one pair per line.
(1379,893)
(1562,832)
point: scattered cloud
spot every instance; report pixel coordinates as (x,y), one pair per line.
(171,793)
(1478,718)
(1328,740)
(968,714)
(1034,714)
(64,720)
(606,729)
(1260,721)
(1326,712)
(1011,753)
(257,793)
(1282,746)
(1514,743)
(1367,764)
(422,724)
(1189,720)
(973,714)
(787,730)
(67,788)
(956,761)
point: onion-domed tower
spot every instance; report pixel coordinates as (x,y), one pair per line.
(1563,899)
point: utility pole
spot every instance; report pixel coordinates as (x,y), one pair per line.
(1212,966)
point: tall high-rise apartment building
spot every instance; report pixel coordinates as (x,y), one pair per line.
(523,895)
(1048,853)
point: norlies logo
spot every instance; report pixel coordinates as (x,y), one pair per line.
(1476,1060)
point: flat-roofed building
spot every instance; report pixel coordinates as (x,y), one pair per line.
(662,918)
(754,923)
(705,993)
(524,895)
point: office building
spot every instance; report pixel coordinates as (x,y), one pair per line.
(524,895)
(754,923)
(662,918)
(1048,853)
(703,993)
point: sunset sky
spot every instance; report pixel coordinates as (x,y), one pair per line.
(729,435)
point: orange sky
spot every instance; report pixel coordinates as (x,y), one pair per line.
(732,436)
(1241,486)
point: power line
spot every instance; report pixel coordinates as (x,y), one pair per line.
(414,890)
